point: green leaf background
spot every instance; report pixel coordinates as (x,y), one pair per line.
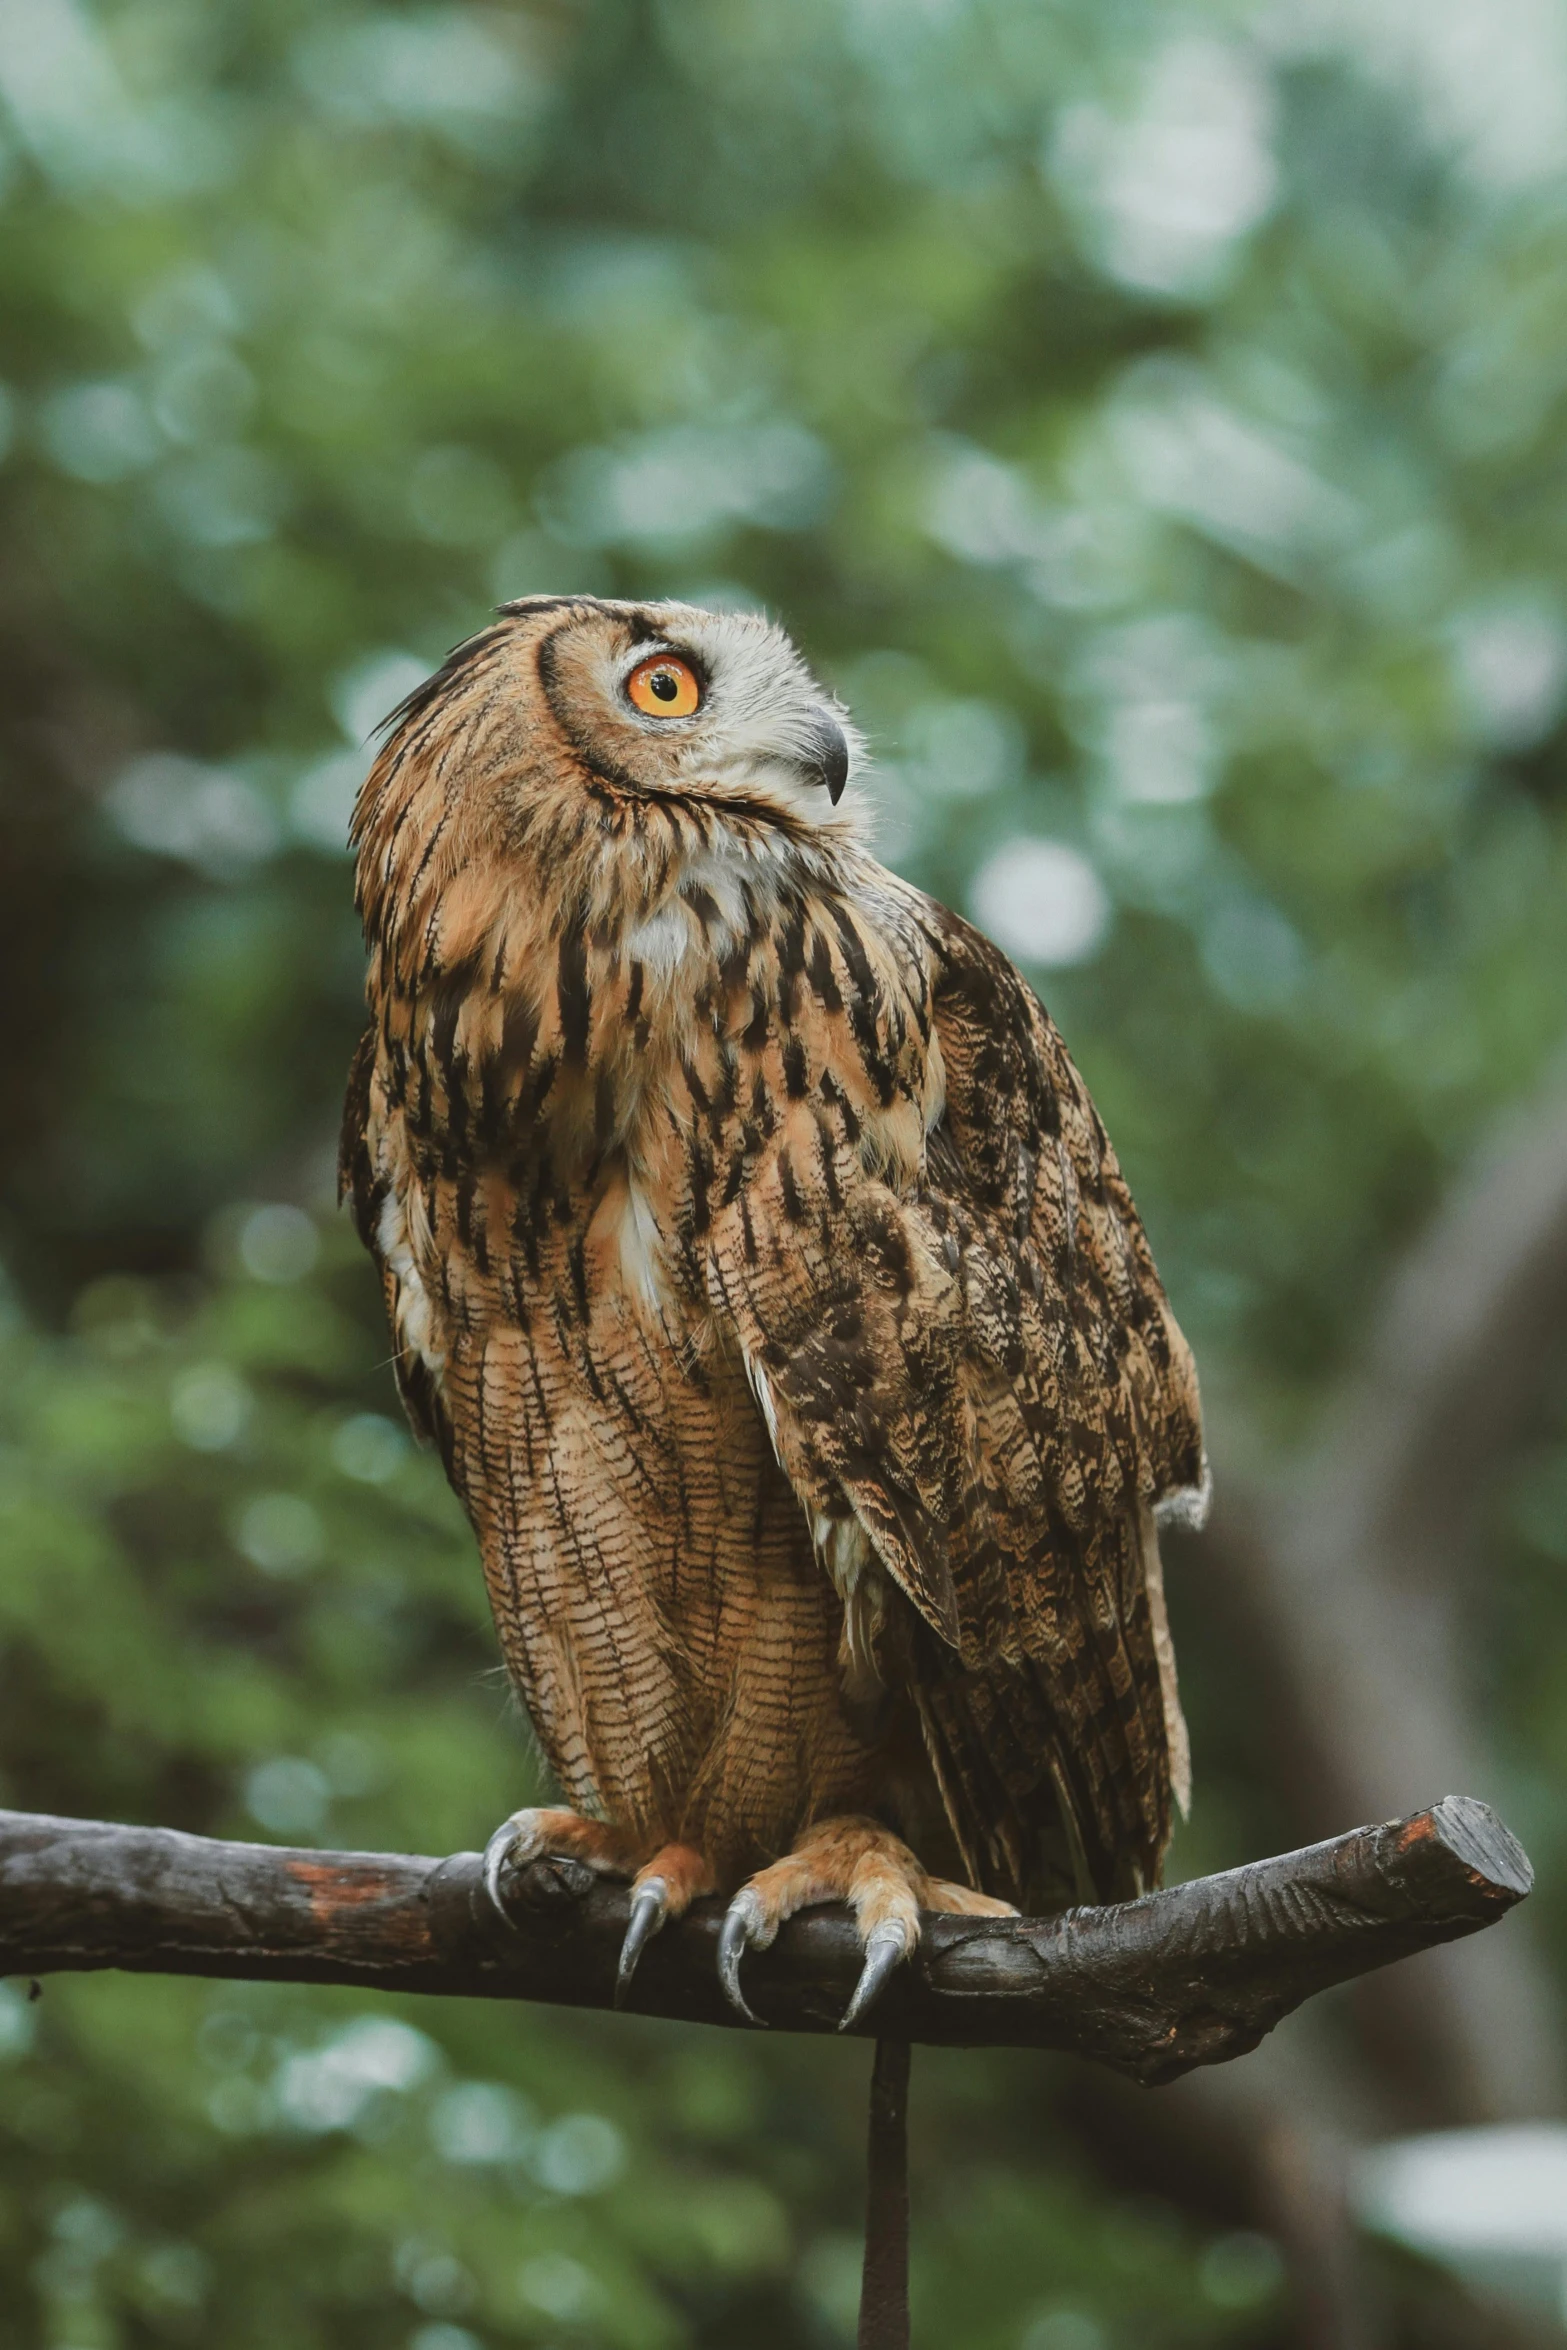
(1151,419)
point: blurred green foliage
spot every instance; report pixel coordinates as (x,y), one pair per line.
(1152,419)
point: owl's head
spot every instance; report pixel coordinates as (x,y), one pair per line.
(560,731)
(658,699)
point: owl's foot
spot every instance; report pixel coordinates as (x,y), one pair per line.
(850,1860)
(663,1888)
(592,1846)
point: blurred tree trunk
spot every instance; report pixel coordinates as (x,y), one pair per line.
(1350,1572)
(1344,1578)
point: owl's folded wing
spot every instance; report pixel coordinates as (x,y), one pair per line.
(979,1370)
(374,1190)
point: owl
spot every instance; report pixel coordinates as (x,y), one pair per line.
(758,1262)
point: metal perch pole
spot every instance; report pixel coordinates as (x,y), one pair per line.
(884,2283)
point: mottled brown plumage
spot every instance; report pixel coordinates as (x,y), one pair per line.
(759,1263)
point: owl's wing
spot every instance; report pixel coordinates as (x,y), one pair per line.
(977,1372)
(368,1172)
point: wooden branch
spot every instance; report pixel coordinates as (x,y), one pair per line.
(1189,1976)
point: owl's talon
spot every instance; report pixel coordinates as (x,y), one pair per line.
(743,1929)
(501,1850)
(649,1908)
(887,1947)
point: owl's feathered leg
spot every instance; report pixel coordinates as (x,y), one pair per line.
(852,1860)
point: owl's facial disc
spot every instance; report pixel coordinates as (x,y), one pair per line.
(710,705)
(663,686)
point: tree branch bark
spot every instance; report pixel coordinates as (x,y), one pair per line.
(1189,1976)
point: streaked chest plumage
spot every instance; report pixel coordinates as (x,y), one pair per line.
(566,1136)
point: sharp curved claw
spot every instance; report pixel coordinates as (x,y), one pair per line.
(887,1947)
(649,1907)
(496,1854)
(739,1929)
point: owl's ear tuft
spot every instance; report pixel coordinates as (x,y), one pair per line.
(528,607)
(425,696)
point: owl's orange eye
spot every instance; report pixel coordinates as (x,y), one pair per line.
(664,688)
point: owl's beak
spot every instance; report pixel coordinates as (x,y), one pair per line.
(827,761)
